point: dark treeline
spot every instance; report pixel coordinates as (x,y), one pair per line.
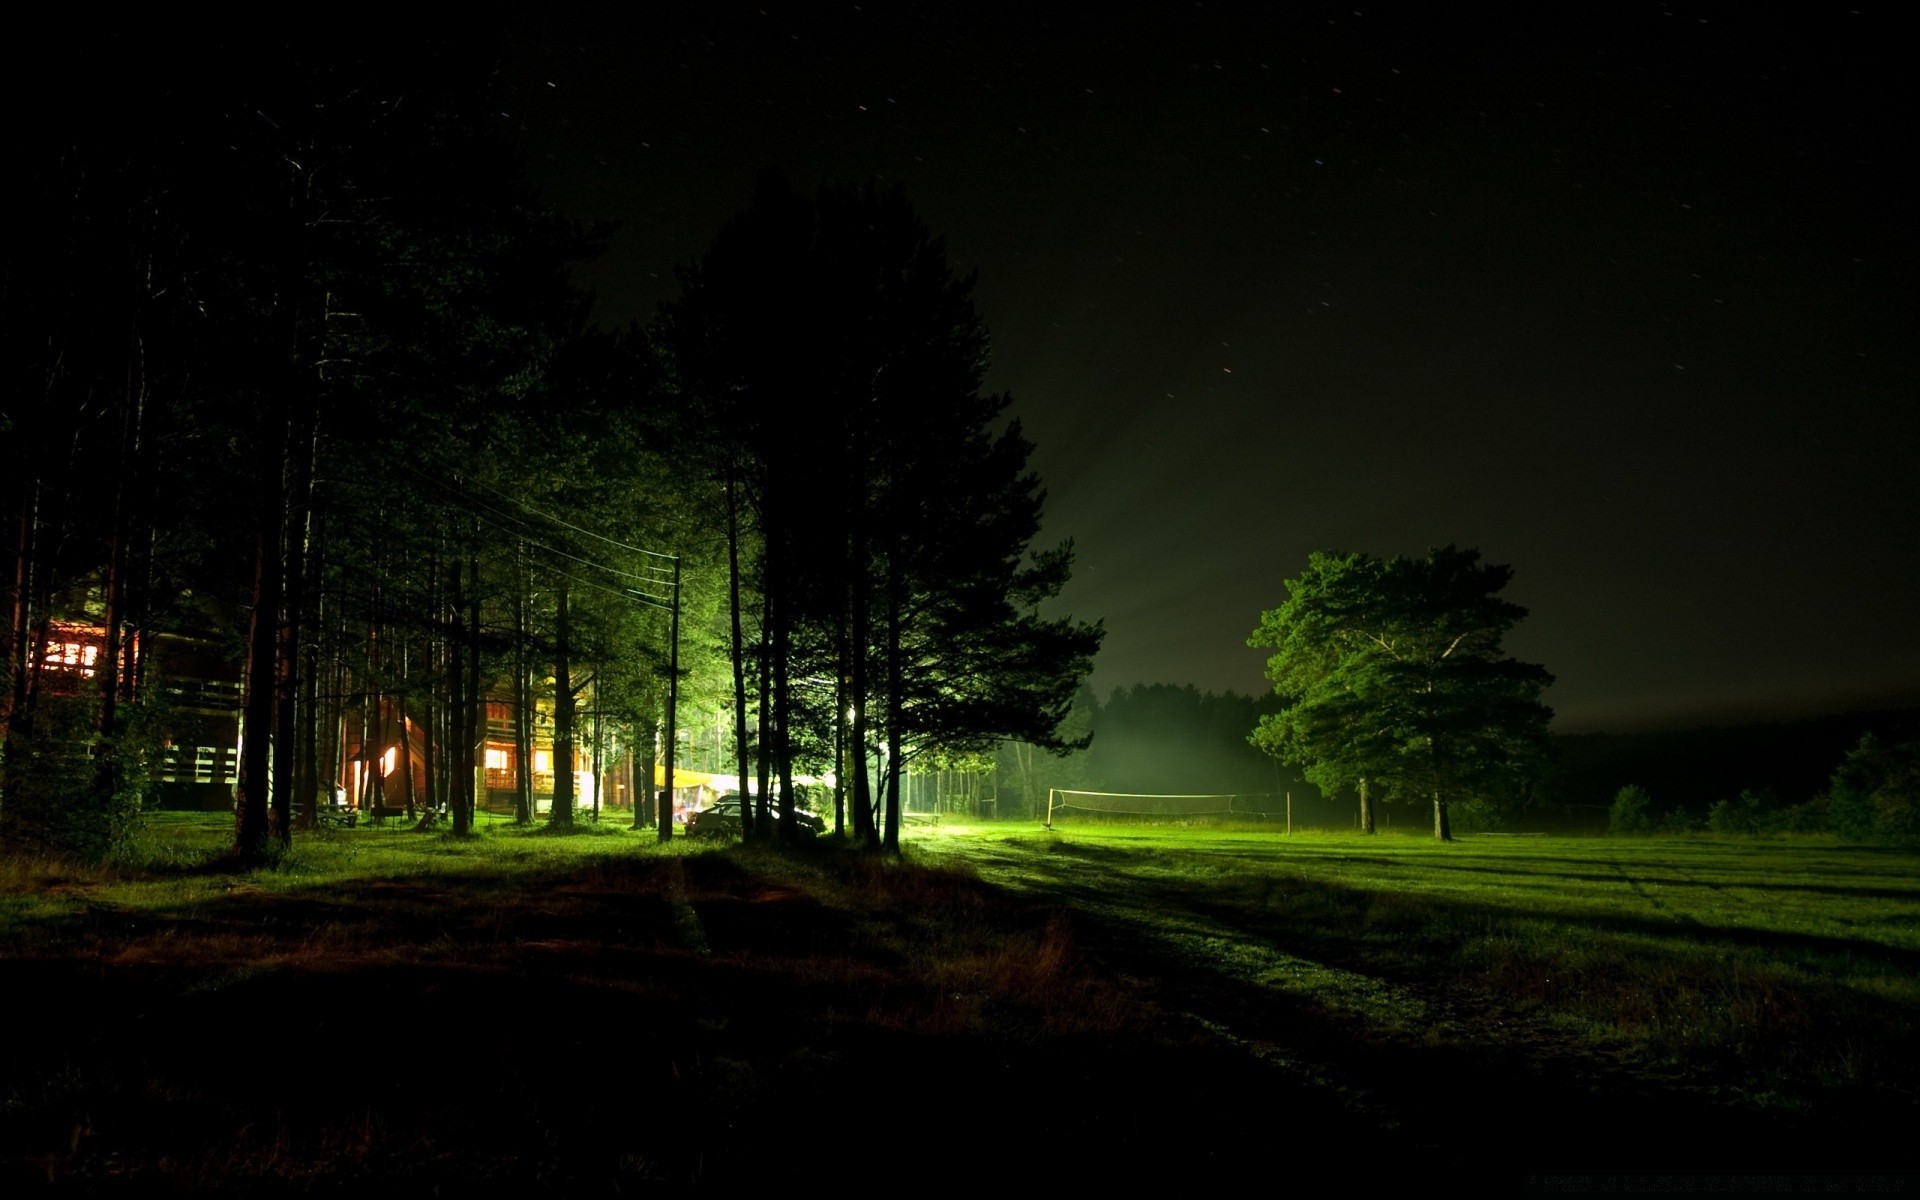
(1177,739)
(294,368)
(1694,768)
(1168,739)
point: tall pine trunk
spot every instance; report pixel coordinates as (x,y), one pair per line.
(895,713)
(522,695)
(561,817)
(859,633)
(740,737)
(476,728)
(763,758)
(297,485)
(782,714)
(256,719)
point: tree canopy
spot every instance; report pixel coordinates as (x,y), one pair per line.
(836,362)
(1391,677)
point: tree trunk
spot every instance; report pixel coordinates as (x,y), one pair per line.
(19,657)
(596,758)
(649,766)
(476,725)
(307,777)
(256,720)
(454,719)
(895,713)
(1366,809)
(782,712)
(763,760)
(412,801)
(114,581)
(561,815)
(858,635)
(840,737)
(522,693)
(1441,828)
(298,488)
(740,738)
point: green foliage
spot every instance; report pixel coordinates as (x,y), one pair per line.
(1749,812)
(1475,815)
(1391,671)
(1632,812)
(1677,821)
(72,792)
(1875,793)
(1810,817)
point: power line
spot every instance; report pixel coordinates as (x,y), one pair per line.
(570,525)
(519,526)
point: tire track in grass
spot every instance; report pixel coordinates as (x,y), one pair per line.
(1639,889)
(1159,934)
(1437,1065)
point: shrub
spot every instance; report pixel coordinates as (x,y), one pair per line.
(1677,821)
(1810,817)
(1477,816)
(71,791)
(1632,812)
(1750,812)
(1875,793)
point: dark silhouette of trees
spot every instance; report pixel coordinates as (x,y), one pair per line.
(874,496)
(300,294)
(1391,676)
(284,291)
(1875,792)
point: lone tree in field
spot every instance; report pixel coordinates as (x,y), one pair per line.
(1391,677)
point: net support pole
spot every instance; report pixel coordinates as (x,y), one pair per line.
(1289,814)
(1050,808)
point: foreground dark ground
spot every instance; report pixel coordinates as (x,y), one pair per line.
(716,1021)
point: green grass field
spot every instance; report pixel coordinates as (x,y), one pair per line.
(591,1013)
(1780,972)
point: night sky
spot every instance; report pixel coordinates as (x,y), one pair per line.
(1622,297)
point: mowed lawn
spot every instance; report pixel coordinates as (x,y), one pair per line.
(1115,1006)
(1775,978)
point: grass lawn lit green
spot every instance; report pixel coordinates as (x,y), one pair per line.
(1781,972)
(596,1012)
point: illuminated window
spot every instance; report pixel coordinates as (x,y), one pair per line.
(496,759)
(71,656)
(542,762)
(387,760)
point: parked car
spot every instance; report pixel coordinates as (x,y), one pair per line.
(722,819)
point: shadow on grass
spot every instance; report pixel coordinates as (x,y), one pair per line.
(1811,1056)
(553,1032)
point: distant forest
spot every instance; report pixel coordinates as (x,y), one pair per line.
(1695,767)
(1170,738)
